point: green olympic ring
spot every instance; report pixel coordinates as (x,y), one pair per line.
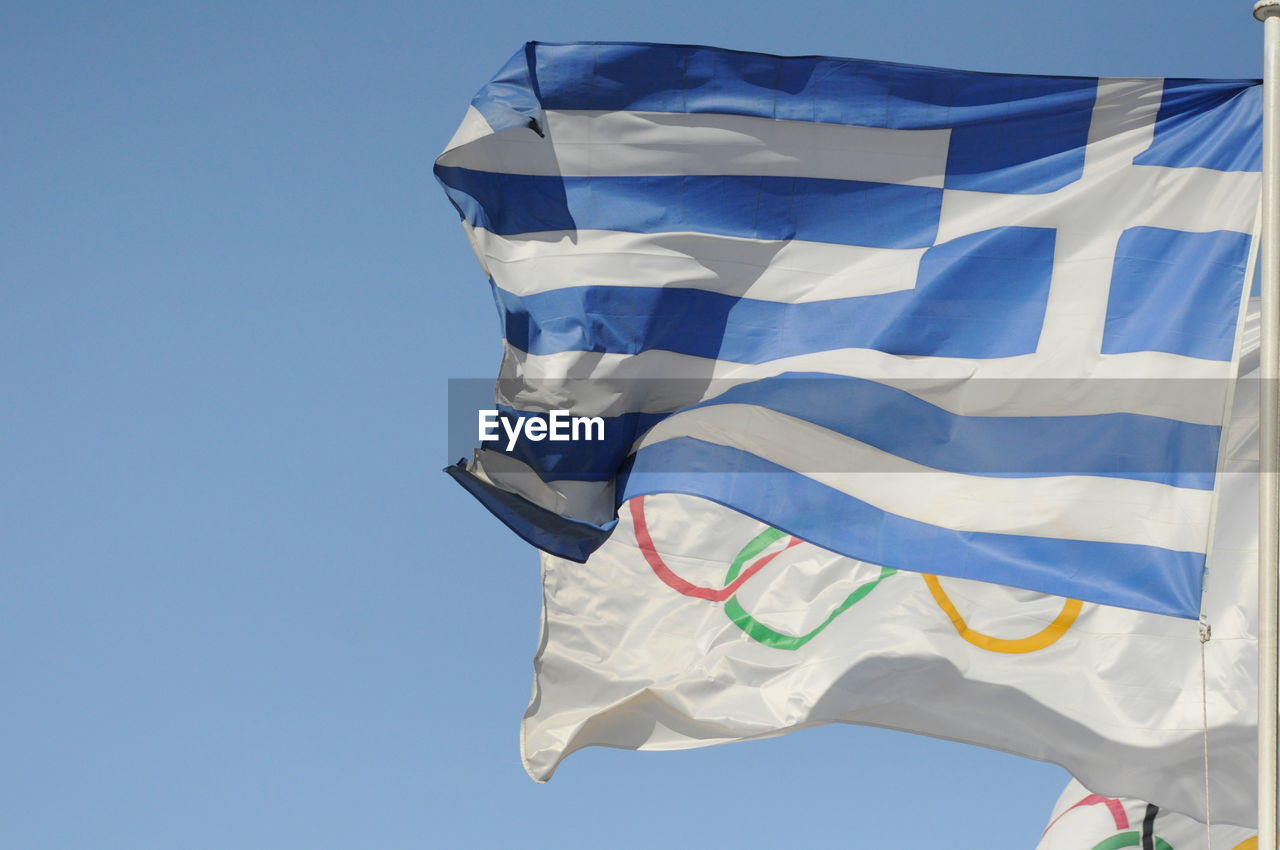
(761,633)
(1128,839)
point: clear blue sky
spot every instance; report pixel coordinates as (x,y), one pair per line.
(240,606)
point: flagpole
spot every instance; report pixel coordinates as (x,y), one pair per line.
(1268,11)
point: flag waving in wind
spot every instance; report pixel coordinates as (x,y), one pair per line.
(969,325)
(1082,820)
(694,625)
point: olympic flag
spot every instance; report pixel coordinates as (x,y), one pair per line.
(658,644)
(914,388)
(1082,820)
(973,325)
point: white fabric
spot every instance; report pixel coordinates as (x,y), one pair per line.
(1071,507)
(1082,820)
(789,271)
(625,660)
(587,143)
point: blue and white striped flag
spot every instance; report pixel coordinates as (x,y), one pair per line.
(783,283)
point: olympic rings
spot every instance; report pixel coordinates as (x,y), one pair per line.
(744,567)
(1041,639)
(677,583)
(1128,839)
(761,633)
(1118,815)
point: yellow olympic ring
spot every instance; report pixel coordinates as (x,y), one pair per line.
(1250,843)
(1041,639)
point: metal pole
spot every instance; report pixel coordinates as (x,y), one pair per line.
(1268,11)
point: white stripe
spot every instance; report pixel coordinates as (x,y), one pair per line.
(1117,194)
(583,143)
(1089,215)
(789,271)
(1072,507)
(473,127)
(1149,383)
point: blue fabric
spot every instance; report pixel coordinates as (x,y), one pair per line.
(844,212)
(509,100)
(1177,292)
(1208,124)
(979,296)
(536,525)
(1153,579)
(1113,445)
(1008,133)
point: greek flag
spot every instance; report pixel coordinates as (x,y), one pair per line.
(976,325)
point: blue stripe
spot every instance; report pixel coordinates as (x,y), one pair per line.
(978,296)
(537,526)
(577,460)
(1112,445)
(1013,134)
(510,98)
(1208,124)
(845,212)
(1147,578)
